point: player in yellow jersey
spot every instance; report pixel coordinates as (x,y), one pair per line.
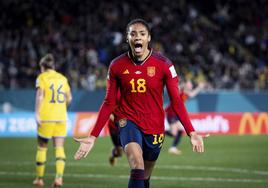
(52,98)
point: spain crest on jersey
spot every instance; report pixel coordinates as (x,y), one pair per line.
(151,71)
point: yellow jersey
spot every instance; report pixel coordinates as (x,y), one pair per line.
(53,107)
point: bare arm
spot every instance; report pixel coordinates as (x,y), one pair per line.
(38,100)
(69,98)
(195,91)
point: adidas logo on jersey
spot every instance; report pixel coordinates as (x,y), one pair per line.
(126,71)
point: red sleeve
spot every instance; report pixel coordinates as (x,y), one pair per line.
(108,104)
(175,99)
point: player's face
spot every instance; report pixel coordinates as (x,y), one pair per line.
(138,39)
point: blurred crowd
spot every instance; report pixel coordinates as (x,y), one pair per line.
(223,43)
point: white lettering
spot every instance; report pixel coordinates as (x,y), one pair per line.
(21,125)
(12,124)
(215,124)
(3,124)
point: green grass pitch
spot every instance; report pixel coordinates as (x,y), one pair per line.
(229,161)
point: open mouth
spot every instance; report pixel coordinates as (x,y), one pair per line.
(138,47)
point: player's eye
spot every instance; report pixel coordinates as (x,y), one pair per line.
(143,34)
(132,34)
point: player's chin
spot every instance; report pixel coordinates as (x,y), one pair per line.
(138,54)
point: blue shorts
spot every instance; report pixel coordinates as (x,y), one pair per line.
(172,119)
(151,144)
(114,133)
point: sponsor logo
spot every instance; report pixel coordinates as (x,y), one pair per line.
(216,124)
(138,72)
(256,125)
(173,71)
(126,71)
(122,122)
(151,71)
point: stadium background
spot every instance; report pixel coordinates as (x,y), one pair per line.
(222,42)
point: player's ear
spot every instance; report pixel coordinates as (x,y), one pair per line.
(149,38)
(127,39)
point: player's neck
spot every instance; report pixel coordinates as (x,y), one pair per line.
(48,70)
(140,60)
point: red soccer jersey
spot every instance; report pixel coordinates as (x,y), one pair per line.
(142,87)
(111,123)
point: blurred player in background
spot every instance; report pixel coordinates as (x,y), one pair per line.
(52,98)
(176,128)
(140,75)
(117,149)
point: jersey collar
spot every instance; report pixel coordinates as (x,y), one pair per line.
(135,61)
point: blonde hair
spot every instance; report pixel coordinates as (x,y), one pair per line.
(47,62)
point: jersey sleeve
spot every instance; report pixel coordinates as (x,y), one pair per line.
(175,99)
(108,104)
(39,83)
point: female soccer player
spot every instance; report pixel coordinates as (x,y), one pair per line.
(140,74)
(52,97)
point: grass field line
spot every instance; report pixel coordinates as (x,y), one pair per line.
(158,166)
(161,178)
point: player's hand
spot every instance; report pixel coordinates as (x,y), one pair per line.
(197,142)
(86,145)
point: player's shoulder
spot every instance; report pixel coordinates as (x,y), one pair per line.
(41,78)
(41,75)
(60,75)
(56,75)
(119,59)
(160,57)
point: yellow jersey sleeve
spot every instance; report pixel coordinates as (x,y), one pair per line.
(39,82)
(55,87)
